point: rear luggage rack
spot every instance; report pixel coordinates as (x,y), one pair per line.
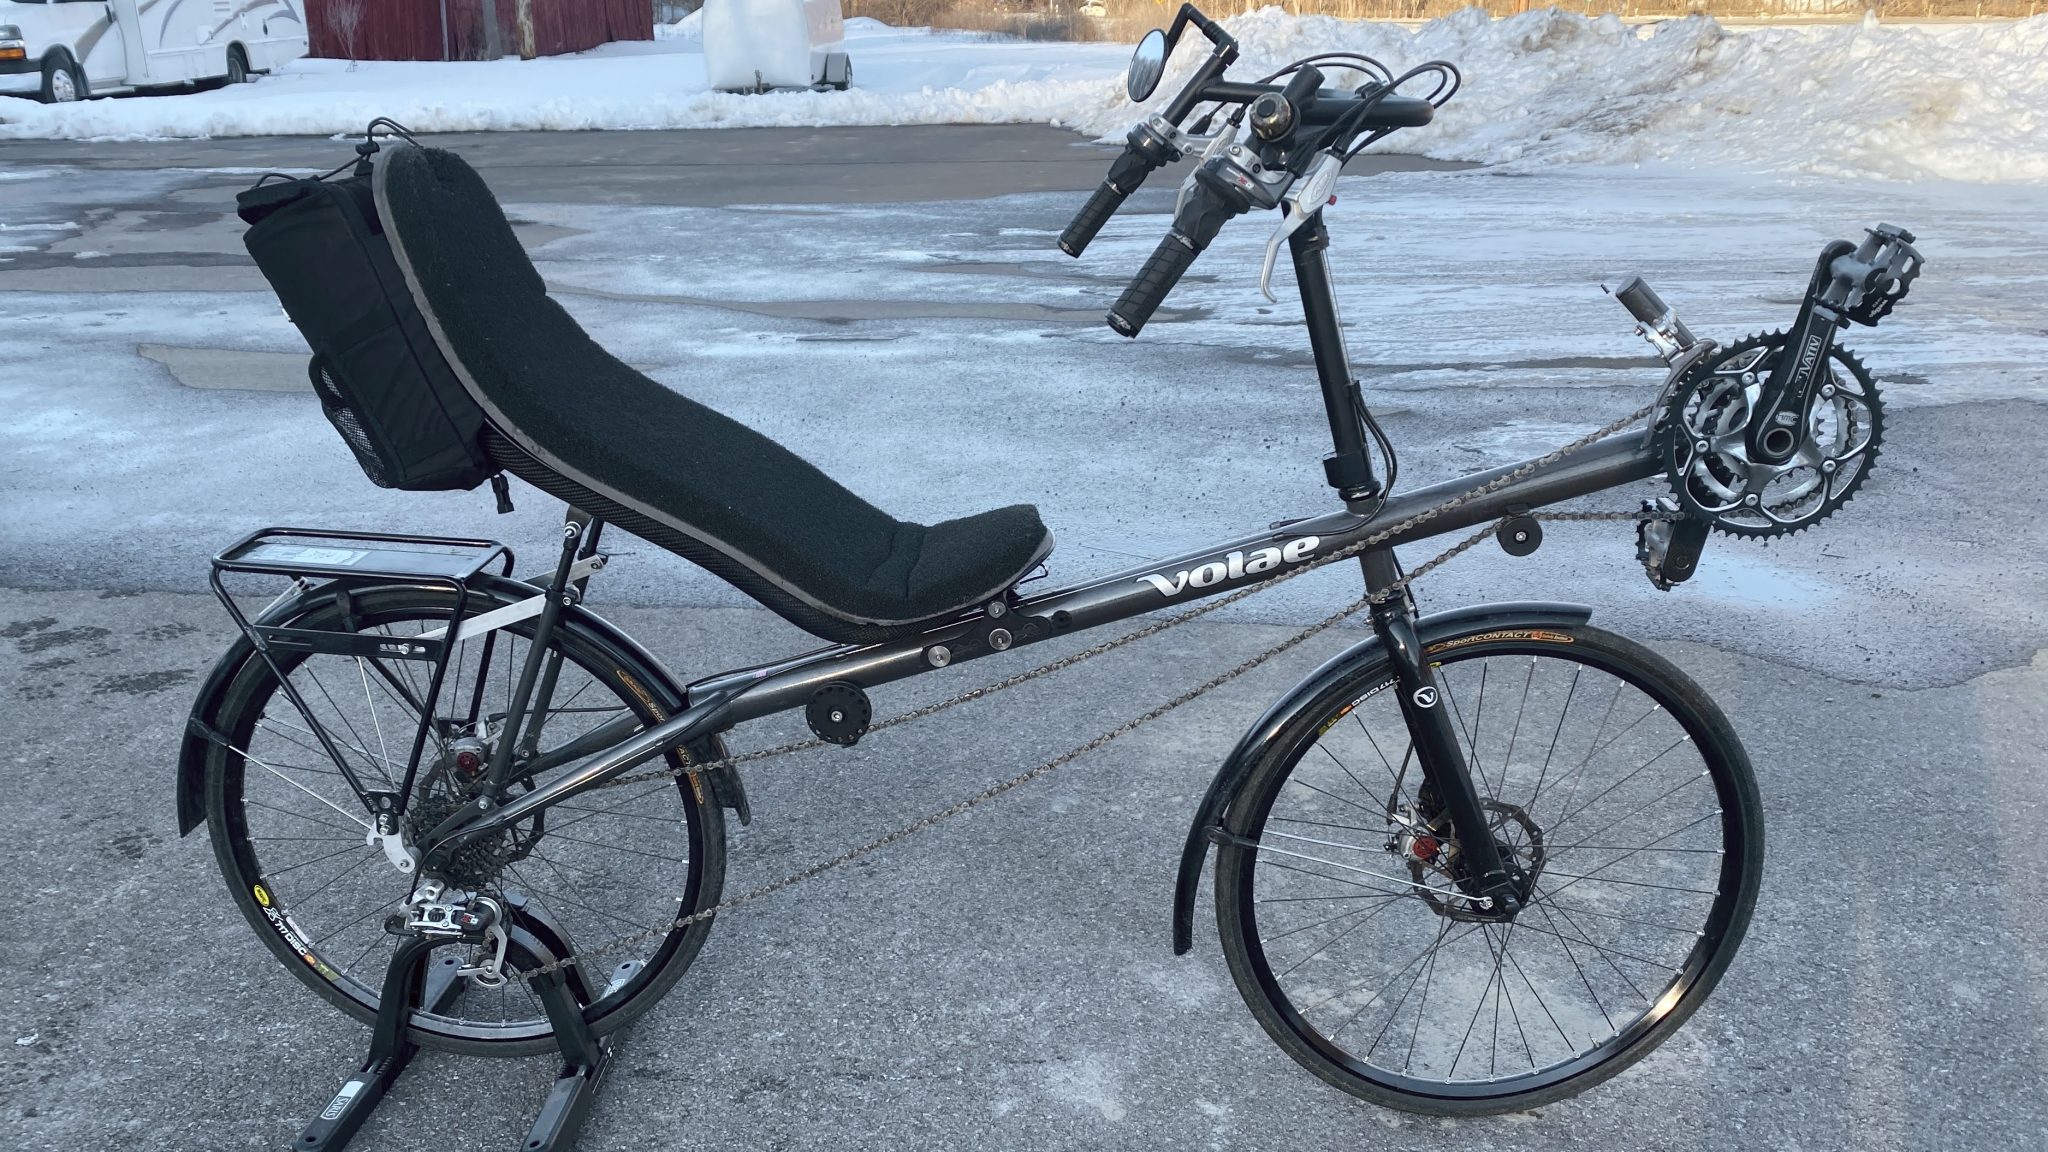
(351,559)
(360,555)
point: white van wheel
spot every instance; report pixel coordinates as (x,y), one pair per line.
(238,65)
(63,83)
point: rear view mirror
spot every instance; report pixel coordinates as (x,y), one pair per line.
(1148,64)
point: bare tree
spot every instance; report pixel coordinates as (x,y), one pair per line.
(522,21)
(345,20)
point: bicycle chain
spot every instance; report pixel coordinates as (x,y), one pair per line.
(1397,588)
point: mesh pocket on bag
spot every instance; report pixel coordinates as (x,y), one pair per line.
(335,405)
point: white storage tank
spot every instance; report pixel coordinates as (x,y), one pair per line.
(759,45)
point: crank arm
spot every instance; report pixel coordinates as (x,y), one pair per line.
(1777,421)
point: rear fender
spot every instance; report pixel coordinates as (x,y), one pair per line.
(663,694)
(1257,740)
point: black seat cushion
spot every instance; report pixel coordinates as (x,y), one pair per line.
(578,420)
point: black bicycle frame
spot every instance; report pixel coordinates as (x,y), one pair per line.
(722,701)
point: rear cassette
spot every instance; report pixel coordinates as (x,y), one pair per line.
(1702,440)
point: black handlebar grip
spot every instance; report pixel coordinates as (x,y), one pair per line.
(1144,294)
(1126,173)
(1090,219)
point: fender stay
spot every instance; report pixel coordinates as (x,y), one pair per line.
(1260,736)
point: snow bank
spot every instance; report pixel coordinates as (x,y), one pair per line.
(1959,101)
(902,76)
(1956,101)
(690,27)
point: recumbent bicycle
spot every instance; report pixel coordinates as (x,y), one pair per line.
(1481,860)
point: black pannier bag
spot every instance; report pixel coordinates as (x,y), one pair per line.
(381,379)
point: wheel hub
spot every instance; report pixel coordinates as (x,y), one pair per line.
(1439,868)
(449,787)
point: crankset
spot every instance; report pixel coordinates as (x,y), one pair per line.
(1704,439)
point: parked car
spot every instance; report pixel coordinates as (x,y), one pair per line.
(64,50)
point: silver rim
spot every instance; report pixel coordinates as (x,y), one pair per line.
(63,90)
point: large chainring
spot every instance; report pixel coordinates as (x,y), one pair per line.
(1702,438)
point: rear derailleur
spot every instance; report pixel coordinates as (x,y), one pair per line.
(435,912)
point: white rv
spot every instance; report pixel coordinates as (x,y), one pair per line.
(63,50)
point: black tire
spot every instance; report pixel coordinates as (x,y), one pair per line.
(248,812)
(63,81)
(1271,907)
(238,65)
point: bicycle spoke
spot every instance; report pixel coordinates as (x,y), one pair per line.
(1565,946)
(1355,780)
(359,821)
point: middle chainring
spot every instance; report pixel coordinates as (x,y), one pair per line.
(1702,441)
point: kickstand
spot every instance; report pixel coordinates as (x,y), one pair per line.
(537,940)
(533,940)
(409,982)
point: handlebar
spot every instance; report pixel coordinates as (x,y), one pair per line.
(1146,150)
(1292,123)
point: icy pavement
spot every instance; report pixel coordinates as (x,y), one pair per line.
(1003,981)
(1953,101)
(940,358)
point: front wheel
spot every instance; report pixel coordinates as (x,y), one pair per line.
(1608,776)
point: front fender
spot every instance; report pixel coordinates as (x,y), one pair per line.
(1257,739)
(201,731)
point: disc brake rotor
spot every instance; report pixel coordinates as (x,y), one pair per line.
(1434,860)
(1704,443)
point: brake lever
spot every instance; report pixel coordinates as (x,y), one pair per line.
(1308,197)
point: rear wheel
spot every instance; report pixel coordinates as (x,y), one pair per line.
(238,65)
(290,835)
(1607,774)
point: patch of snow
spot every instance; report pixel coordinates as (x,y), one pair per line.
(1954,101)
(690,27)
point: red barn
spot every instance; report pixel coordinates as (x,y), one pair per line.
(468,29)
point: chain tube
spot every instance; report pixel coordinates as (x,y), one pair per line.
(929,820)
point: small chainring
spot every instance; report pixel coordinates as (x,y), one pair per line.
(1702,441)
